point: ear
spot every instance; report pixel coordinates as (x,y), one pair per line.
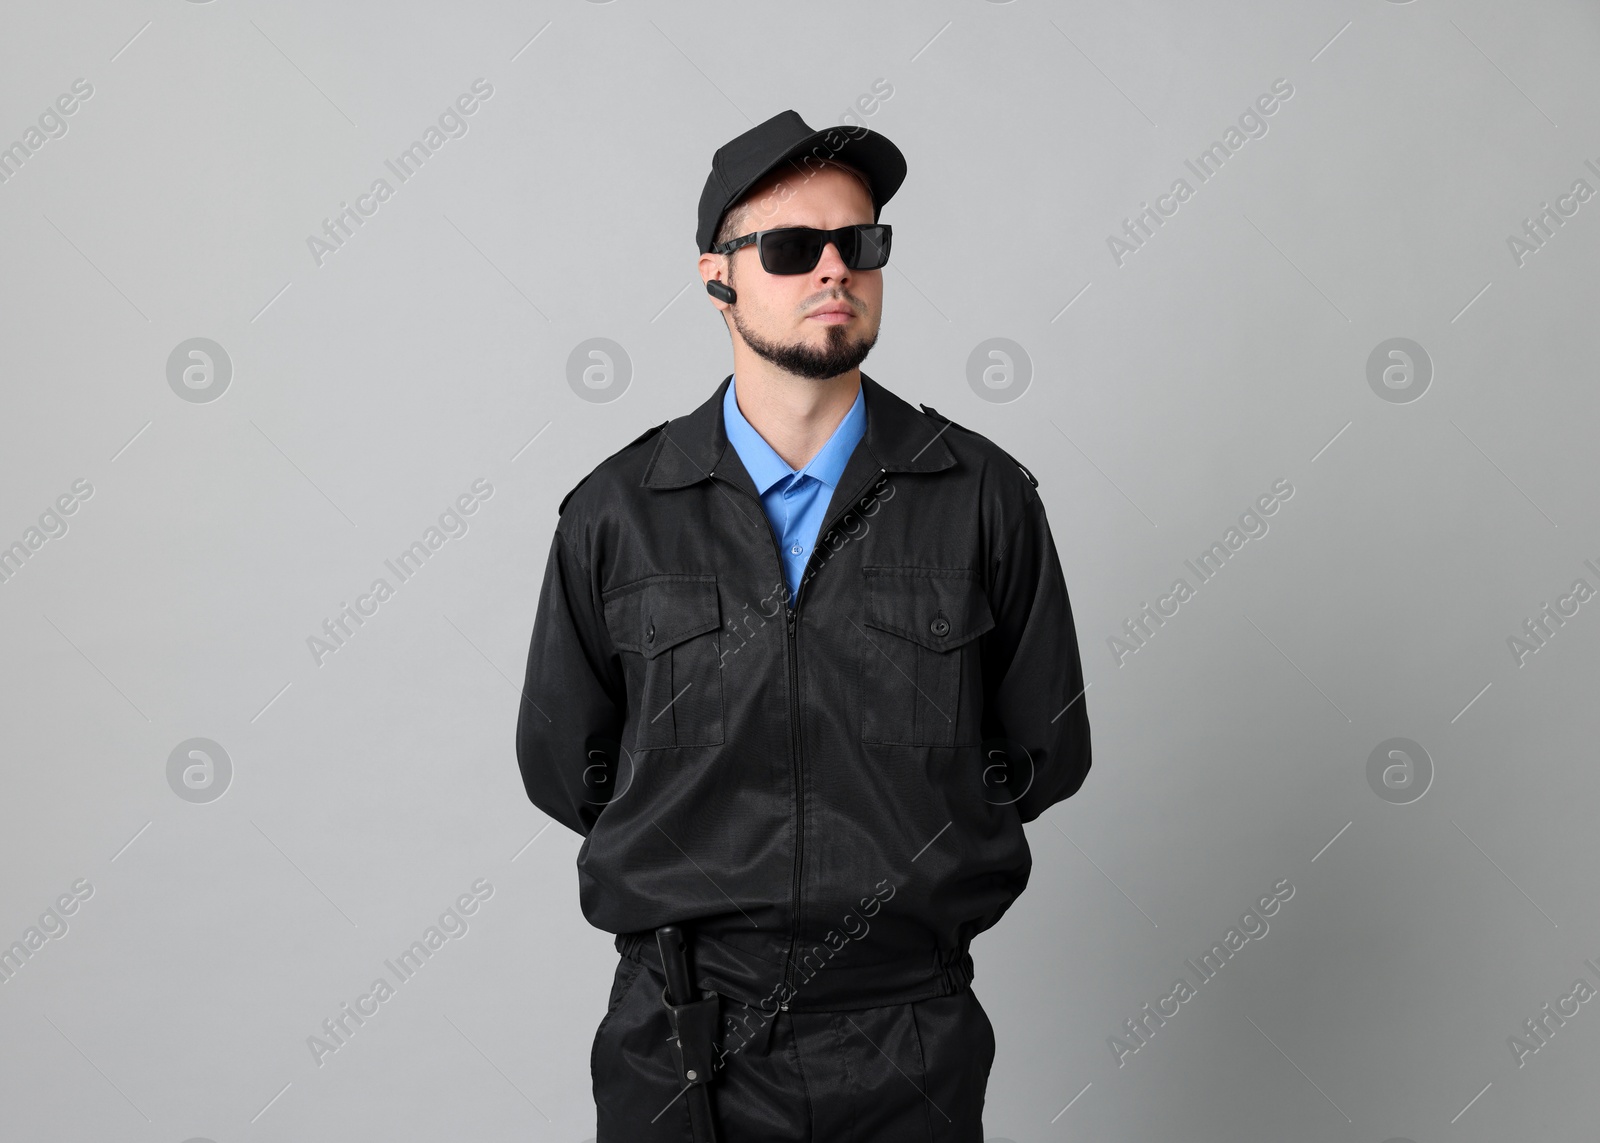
(713,268)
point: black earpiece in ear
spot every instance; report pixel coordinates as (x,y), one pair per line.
(721,291)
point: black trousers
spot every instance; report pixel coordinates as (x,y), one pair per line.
(903,1073)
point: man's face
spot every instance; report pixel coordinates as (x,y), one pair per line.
(774,312)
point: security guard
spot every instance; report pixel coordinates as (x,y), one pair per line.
(803,665)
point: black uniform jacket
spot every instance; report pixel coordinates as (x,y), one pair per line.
(829,791)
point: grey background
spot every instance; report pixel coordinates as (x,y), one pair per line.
(434,349)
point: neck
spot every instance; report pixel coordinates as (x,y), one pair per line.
(795,415)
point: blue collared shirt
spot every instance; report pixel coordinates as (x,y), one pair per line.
(795,501)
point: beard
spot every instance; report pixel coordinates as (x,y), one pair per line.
(839,353)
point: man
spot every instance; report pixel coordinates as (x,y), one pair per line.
(803,665)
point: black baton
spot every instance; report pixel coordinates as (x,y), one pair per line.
(694,1027)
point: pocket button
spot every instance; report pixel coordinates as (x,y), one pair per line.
(940,626)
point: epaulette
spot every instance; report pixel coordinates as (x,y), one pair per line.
(938,416)
(644,436)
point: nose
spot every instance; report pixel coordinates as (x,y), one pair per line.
(831,266)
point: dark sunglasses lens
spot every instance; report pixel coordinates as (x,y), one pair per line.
(791,251)
(872,248)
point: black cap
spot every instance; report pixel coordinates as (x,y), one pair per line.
(741,162)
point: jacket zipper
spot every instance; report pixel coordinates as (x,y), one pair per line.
(796,766)
(799,797)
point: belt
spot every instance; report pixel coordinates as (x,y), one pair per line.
(744,979)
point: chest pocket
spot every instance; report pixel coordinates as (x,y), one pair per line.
(665,626)
(920,672)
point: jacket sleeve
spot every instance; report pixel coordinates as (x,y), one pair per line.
(570,720)
(1033,677)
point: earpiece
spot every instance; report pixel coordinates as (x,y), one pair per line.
(721,291)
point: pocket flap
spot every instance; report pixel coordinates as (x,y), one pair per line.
(660,612)
(940,608)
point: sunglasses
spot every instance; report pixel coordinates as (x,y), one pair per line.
(797,249)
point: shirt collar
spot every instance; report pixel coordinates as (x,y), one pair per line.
(767,468)
(898,438)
